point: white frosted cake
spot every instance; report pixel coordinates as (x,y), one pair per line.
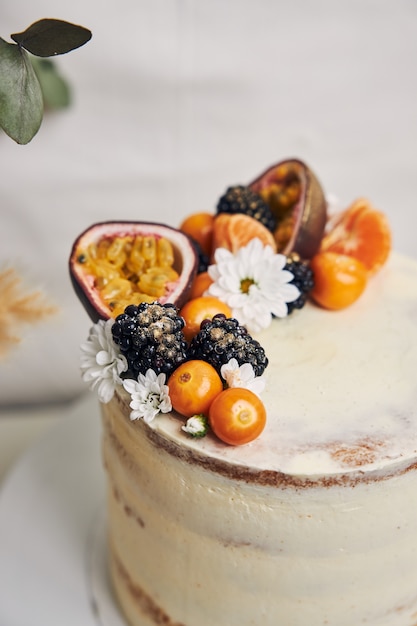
(314,522)
(257,374)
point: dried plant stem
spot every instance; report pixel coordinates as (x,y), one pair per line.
(18,307)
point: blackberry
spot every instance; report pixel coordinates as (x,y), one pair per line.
(150,336)
(240,199)
(203,259)
(221,339)
(303,279)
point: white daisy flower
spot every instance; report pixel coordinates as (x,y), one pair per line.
(242,376)
(253,283)
(149,395)
(101,362)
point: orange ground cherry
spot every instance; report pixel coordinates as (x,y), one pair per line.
(339,280)
(199,226)
(200,284)
(193,386)
(199,309)
(237,416)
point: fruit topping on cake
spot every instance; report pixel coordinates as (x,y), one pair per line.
(303,279)
(360,231)
(193,387)
(253,281)
(297,201)
(200,285)
(339,280)
(114,264)
(237,416)
(199,226)
(175,309)
(241,199)
(199,309)
(150,337)
(355,246)
(222,339)
(232,232)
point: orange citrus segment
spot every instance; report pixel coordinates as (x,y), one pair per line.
(361,232)
(236,230)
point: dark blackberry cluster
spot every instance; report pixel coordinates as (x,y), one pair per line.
(303,279)
(240,199)
(221,339)
(150,336)
(203,259)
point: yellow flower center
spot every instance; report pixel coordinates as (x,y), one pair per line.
(245,284)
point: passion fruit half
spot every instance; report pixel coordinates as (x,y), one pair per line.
(114,264)
(297,201)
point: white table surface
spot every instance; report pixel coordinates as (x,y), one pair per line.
(19,429)
(53,526)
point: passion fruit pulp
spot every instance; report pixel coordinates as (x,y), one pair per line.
(114,264)
(297,201)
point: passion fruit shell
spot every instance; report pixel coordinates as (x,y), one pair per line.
(113,244)
(297,201)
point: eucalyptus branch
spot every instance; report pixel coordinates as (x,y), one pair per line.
(24,80)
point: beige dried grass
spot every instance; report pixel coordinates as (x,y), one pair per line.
(18,307)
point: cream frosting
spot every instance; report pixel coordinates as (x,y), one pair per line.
(341,389)
(314,522)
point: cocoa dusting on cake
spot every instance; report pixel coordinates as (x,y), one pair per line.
(275,478)
(130,513)
(356,455)
(127,509)
(146,604)
(116,493)
(120,449)
(402,608)
(363,452)
(238,544)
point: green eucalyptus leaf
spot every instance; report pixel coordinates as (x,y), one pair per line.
(49,37)
(21,103)
(55,90)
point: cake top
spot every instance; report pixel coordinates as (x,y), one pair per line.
(268,324)
(341,392)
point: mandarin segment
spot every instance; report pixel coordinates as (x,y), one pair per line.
(233,231)
(241,199)
(361,231)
